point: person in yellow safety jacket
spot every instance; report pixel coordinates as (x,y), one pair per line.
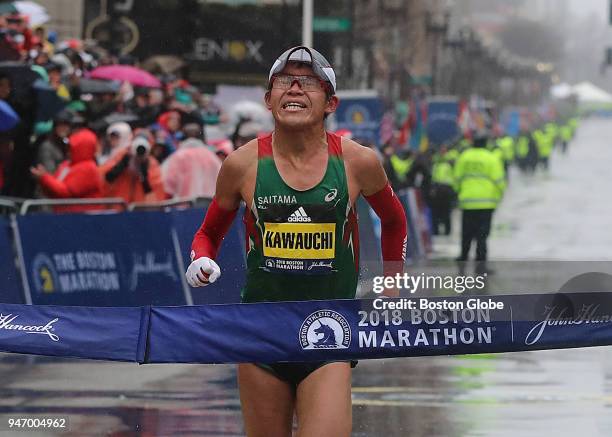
(464,144)
(506,145)
(565,133)
(451,156)
(442,194)
(552,130)
(573,123)
(544,143)
(522,150)
(480,183)
(494,148)
(401,164)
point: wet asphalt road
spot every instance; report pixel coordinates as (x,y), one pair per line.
(563,215)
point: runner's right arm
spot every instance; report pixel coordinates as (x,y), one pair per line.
(203,270)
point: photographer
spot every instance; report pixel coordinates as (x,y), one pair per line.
(132,173)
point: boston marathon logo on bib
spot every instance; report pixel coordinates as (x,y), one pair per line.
(299,239)
(325,329)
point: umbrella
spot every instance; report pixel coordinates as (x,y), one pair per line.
(36,13)
(22,77)
(126,73)
(116,117)
(250,110)
(8,117)
(94,86)
(102,123)
(48,103)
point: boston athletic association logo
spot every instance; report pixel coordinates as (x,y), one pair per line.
(325,329)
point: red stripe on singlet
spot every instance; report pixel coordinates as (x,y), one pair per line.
(264,146)
(334,143)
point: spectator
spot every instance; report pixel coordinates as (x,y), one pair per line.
(192,170)
(118,136)
(170,122)
(76,178)
(132,173)
(160,149)
(141,106)
(55,80)
(52,151)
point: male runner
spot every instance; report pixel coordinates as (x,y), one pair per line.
(300,184)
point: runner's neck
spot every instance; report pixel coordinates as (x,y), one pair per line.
(296,143)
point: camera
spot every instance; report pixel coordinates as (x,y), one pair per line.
(140,146)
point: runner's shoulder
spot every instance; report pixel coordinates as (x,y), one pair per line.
(240,160)
(359,158)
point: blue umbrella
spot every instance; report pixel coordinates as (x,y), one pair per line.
(8,117)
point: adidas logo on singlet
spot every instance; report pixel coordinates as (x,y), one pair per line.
(299,215)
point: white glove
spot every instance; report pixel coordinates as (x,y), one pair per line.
(202,271)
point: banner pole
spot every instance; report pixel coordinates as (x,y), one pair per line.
(21,262)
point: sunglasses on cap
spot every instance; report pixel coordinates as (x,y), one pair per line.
(306,83)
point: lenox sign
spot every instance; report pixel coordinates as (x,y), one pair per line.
(206,49)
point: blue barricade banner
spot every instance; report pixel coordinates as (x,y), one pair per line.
(117,334)
(125,259)
(442,125)
(231,257)
(10,283)
(361,114)
(382,328)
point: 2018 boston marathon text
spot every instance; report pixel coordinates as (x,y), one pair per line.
(437,321)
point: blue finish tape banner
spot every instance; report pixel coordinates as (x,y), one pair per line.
(10,283)
(124,259)
(382,328)
(311,331)
(117,334)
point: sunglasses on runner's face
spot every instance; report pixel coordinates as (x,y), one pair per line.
(306,83)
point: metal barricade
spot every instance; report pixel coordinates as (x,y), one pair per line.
(8,206)
(30,203)
(163,205)
(166,205)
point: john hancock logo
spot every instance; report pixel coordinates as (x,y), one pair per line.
(6,323)
(325,329)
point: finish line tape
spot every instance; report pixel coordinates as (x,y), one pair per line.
(312,330)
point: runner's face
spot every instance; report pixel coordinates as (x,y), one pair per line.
(295,107)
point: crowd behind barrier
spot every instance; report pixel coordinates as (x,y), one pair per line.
(138,256)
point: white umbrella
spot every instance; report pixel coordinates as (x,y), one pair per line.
(253,111)
(36,13)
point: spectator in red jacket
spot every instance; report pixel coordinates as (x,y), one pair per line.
(77,178)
